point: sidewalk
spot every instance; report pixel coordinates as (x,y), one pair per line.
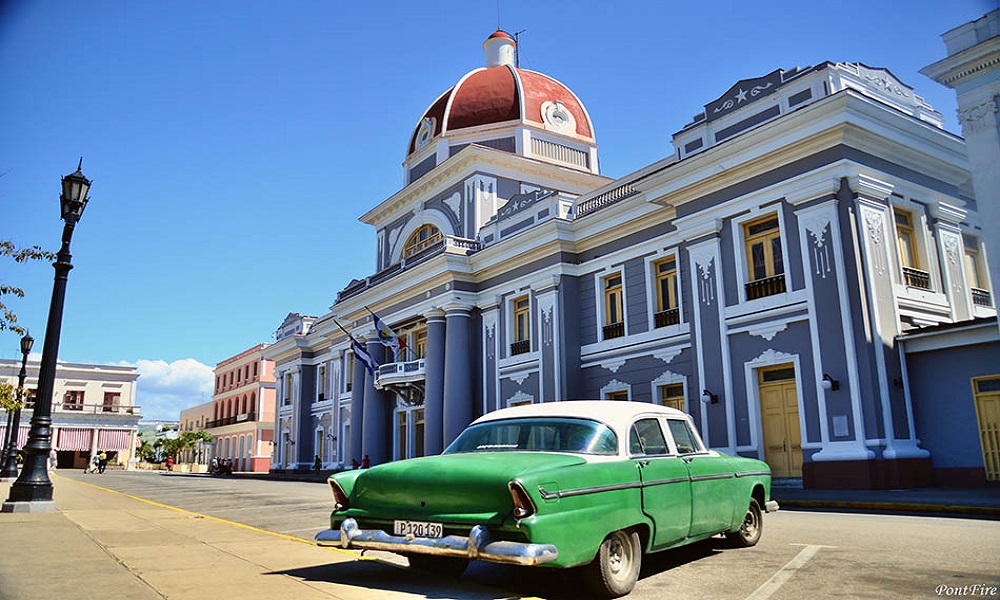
(978,502)
(104,544)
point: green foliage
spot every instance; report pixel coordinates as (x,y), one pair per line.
(184,441)
(8,320)
(11,396)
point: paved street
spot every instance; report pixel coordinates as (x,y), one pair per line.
(802,554)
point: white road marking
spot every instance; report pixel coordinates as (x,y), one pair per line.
(772,585)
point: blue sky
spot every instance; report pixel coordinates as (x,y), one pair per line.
(233,144)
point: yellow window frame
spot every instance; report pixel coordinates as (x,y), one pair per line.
(766,238)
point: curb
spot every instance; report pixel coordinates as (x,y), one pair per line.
(983,511)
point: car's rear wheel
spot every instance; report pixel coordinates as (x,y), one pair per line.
(616,567)
(442,565)
(750,530)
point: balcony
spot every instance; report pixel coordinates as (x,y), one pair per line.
(230,420)
(520,347)
(981,297)
(769,286)
(665,318)
(88,409)
(614,330)
(403,378)
(917,278)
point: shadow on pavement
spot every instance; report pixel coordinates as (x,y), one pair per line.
(375,575)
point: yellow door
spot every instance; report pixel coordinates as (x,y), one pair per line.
(779,409)
(988,414)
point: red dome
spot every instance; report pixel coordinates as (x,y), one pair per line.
(502,94)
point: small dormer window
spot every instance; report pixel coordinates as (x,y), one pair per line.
(425,132)
(424,237)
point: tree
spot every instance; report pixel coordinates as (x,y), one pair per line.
(10,396)
(8,320)
(184,441)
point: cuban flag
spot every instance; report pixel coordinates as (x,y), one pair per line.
(361,353)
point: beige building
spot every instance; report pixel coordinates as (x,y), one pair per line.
(194,419)
(93,409)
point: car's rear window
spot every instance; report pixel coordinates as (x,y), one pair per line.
(579,436)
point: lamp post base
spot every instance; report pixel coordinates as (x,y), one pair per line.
(36,506)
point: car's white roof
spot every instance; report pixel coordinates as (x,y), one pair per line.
(619,415)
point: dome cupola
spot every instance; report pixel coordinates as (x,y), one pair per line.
(507,108)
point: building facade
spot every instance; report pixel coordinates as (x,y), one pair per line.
(192,420)
(242,414)
(757,278)
(93,409)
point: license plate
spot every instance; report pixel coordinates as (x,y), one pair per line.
(418,529)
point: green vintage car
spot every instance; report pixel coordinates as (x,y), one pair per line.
(590,484)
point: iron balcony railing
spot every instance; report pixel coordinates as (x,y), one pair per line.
(88,409)
(981,297)
(664,318)
(614,330)
(230,420)
(769,286)
(917,278)
(520,347)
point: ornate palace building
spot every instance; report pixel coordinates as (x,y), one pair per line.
(757,278)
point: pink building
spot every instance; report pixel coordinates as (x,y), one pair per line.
(242,415)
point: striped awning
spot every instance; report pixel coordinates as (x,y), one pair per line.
(72,438)
(22,434)
(114,439)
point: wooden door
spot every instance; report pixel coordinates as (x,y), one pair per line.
(988,416)
(779,409)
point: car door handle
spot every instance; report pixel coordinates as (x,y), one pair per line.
(642,463)
(687,459)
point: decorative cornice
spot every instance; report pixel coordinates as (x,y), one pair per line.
(979,117)
(869,187)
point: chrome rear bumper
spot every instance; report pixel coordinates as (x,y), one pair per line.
(771,506)
(477,545)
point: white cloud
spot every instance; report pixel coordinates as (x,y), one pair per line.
(164,389)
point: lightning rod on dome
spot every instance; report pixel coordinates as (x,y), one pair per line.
(517,49)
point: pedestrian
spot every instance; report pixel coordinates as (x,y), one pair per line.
(354,463)
(102,462)
(53,458)
(170,463)
(91,464)
(214,467)
(317,463)
(366,462)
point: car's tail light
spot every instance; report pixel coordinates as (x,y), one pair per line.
(340,501)
(523,506)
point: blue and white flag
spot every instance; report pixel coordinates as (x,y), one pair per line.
(361,353)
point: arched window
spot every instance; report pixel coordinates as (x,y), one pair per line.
(244,405)
(229,407)
(424,237)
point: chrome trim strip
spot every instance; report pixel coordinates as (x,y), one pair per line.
(477,545)
(753,473)
(666,481)
(710,477)
(547,495)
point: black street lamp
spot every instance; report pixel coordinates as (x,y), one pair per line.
(32,492)
(9,470)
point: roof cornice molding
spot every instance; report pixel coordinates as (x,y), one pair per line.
(470,159)
(965,65)
(847,117)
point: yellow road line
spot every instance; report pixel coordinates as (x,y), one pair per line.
(218,519)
